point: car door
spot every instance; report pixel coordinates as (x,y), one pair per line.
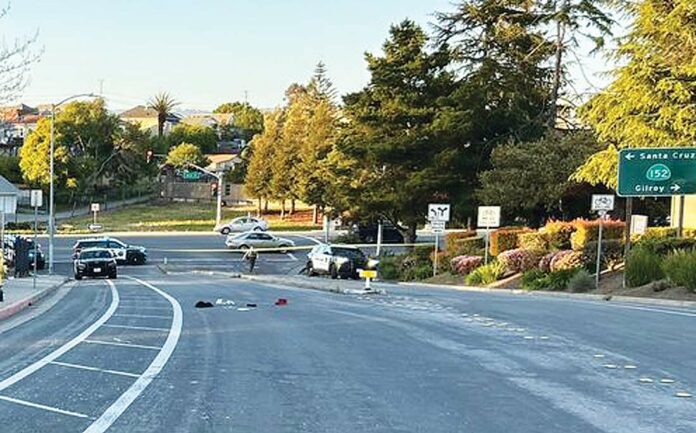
(323,259)
(117,249)
(266,240)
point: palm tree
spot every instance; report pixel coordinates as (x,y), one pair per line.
(163,104)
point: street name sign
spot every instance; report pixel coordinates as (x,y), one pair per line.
(602,202)
(489,216)
(657,172)
(190,175)
(438,212)
(36,197)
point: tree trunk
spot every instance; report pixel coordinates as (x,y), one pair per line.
(258,210)
(410,234)
(292,206)
(265,206)
(282,210)
(160,125)
(315,215)
(557,74)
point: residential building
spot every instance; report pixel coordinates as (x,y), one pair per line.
(16,122)
(147,118)
(8,198)
(689,211)
(222,162)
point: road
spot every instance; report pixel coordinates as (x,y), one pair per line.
(139,357)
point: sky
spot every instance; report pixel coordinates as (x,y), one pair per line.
(206,52)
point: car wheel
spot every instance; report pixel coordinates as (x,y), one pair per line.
(244,247)
(310,270)
(136,259)
(78,276)
(283,249)
(258,229)
(333,271)
(225,231)
(113,275)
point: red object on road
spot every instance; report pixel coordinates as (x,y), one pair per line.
(281,301)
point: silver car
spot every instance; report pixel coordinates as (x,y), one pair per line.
(258,240)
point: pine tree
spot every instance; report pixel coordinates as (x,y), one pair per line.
(650,101)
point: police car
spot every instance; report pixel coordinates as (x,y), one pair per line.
(124,253)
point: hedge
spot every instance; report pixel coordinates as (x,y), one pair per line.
(505,239)
(588,231)
(558,234)
(459,246)
(612,253)
(534,241)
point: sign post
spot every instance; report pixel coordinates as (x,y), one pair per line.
(438,215)
(379,238)
(488,216)
(95,210)
(36,198)
(601,203)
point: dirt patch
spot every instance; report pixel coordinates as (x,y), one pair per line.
(613,285)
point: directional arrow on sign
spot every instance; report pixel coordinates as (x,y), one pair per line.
(630,156)
(675,187)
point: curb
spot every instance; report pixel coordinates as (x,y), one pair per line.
(18,306)
(578,296)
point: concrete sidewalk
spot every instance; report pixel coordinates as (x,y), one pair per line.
(20,293)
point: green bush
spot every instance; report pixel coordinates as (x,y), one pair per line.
(612,253)
(531,280)
(419,272)
(486,274)
(348,238)
(581,282)
(422,253)
(390,267)
(668,245)
(680,268)
(654,233)
(539,280)
(642,267)
(533,241)
(452,241)
(466,247)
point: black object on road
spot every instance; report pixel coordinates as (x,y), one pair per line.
(251,305)
(204,304)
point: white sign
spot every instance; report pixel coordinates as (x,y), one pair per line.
(639,224)
(602,202)
(489,216)
(438,226)
(95,207)
(438,212)
(95,227)
(36,198)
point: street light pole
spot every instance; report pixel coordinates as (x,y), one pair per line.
(51,199)
(219,178)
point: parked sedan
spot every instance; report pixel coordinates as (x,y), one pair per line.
(95,262)
(244,241)
(243,224)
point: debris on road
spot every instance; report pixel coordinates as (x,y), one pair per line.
(251,305)
(281,301)
(204,304)
(221,301)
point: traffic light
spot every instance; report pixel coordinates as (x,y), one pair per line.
(213,189)
(148,156)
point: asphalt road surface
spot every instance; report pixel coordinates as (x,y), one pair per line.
(136,356)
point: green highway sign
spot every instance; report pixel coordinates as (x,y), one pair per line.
(657,172)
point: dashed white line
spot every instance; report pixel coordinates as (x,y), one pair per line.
(114,343)
(43,406)
(32,368)
(101,370)
(146,316)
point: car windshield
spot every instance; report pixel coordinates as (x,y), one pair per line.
(95,255)
(350,253)
(90,244)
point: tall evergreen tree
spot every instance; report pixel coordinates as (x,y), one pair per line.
(263,149)
(650,103)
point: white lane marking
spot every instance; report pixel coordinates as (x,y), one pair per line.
(143,315)
(139,328)
(101,370)
(113,343)
(144,308)
(292,256)
(127,398)
(32,368)
(44,407)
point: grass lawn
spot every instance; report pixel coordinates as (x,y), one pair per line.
(180,217)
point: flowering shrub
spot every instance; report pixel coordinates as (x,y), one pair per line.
(518,260)
(567,259)
(465,264)
(587,231)
(505,239)
(534,241)
(545,262)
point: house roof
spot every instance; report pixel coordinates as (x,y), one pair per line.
(208,119)
(7,187)
(221,158)
(139,112)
